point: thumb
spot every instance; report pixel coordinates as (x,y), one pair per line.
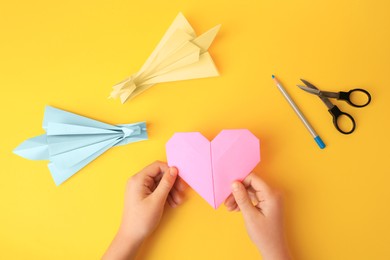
(242,198)
(166,184)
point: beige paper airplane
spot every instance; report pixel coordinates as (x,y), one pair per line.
(180,55)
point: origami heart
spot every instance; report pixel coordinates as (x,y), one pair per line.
(211,167)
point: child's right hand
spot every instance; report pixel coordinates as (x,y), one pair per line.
(261,208)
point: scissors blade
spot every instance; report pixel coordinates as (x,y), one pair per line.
(310,90)
(314,90)
(318,92)
(328,94)
(308,84)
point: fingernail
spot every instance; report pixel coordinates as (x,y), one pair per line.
(172,171)
(235,186)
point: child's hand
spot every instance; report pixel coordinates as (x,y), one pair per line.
(145,197)
(261,208)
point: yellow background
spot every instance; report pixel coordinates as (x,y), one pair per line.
(68,54)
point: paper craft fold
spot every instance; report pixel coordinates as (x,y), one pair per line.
(180,55)
(72,141)
(211,167)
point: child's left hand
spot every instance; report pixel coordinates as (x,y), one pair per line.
(145,198)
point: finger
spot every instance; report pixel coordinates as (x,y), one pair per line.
(165,185)
(178,197)
(253,197)
(232,207)
(254,181)
(150,183)
(158,178)
(230,201)
(231,204)
(155,169)
(180,185)
(171,202)
(242,199)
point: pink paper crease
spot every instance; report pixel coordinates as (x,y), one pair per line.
(211,167)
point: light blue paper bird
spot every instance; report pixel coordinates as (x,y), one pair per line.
(72,141)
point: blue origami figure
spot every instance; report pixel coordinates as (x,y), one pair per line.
(72,141)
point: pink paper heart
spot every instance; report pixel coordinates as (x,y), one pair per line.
(211,167)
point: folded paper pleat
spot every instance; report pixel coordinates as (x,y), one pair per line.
(72,141)
(180,55)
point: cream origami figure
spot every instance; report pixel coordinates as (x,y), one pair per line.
(180,55)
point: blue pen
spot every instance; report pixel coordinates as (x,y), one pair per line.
(313,133)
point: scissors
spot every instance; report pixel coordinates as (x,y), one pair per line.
(333,109)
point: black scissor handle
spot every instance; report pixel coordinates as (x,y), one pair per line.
(347,97)
(336,114)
